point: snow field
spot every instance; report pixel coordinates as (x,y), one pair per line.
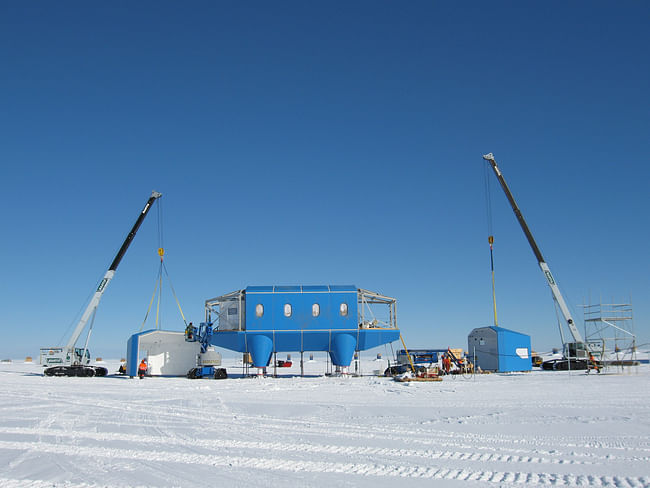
(536,429)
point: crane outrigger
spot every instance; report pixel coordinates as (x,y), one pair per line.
(74,361)
(576,353)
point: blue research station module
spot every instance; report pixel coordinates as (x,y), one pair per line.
(339,319)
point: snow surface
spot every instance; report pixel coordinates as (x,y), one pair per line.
(527,429)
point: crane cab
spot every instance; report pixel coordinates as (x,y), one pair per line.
(55,356)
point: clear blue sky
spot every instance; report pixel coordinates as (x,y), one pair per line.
(331,142)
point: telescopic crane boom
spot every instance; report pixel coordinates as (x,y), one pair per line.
(574,349)
(71,361)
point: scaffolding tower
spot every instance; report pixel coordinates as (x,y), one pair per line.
(609,330)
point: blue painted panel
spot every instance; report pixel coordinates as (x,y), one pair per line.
(280,322)
(509,341)
(350,321)
(315,341)
(343,288)
(252,321)
(287,289)
(313,288)
(288,341)
(265,289)
(232,340)
(323,320)
(301,308)
(341,348)
(377,337)
(132,361)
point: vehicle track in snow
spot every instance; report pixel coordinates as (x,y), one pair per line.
(367,461)
(249,432)
(503,478)
(177,416)
(310,435)
(220,443)
(229,428)
(220,423)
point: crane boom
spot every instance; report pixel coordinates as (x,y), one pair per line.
(555,290)
(68,357)
(94,302)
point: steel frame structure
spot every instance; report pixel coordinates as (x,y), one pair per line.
(609,328)
(214,306)
(368,298)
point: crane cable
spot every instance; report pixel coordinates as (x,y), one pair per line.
(161,253)
(488,206)
(153,296)
(158,286)
(174,293)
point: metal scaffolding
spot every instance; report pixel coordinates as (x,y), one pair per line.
(373,312)
(609,330)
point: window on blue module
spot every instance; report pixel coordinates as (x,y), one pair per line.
(315,310)
(287,310)
(259,310)
(344,309)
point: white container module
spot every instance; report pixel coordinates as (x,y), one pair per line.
(167,353)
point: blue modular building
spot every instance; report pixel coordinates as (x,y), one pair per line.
(499,349)
(339,319)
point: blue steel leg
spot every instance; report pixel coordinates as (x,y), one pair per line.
(260,347)
(343,346)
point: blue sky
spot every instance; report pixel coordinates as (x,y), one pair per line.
(331,142)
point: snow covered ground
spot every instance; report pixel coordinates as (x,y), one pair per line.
(540,428)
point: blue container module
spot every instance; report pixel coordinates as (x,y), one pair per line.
(262,320)
(499,349)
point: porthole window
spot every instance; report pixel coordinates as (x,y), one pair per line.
(344,309)
(315,310)
(259,310)
(287,310)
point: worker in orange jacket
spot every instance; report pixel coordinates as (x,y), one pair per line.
(142,369)
(446,363)
(594,363)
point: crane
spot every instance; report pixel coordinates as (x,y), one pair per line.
(576,353)
(74,361)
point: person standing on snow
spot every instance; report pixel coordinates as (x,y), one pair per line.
(446,363)
(594,364)
(142,369)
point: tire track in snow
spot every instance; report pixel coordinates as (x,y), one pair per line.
(14,483)
(348,468)
(486,442)
(498,443)
(175,419)
(421,436)
(501,442)
(209,444)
